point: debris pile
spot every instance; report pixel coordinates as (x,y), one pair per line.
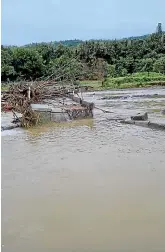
(20,96)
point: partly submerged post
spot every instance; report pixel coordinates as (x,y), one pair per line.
(29,93)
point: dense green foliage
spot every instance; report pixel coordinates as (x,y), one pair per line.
(90,60)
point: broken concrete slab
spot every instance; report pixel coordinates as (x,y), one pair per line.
(149,124)
(140,117)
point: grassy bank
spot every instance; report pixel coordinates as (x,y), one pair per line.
(5,87)
(92,83)
(136,80)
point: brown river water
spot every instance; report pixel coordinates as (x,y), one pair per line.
(87,186)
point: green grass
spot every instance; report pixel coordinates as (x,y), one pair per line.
(141,79)
(91,83)
(135,85)
(136,80)
(4,87)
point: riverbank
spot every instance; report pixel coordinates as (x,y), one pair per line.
(137,80)
(97,85)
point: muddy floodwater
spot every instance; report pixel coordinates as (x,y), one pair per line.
(88,186)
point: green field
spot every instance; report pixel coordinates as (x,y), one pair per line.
(136,80)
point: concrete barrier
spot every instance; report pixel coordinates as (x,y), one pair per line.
(64,113)
(148,124)
(59,115)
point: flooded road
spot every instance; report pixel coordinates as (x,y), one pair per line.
(88,186)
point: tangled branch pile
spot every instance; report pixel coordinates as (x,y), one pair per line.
(20,96)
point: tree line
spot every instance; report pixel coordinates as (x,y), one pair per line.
(84,60)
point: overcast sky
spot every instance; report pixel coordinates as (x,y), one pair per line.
(27,21)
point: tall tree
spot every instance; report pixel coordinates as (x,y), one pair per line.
(159,65)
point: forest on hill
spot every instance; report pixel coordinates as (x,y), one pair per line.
(88,60)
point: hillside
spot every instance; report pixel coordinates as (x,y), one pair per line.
(84,60)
